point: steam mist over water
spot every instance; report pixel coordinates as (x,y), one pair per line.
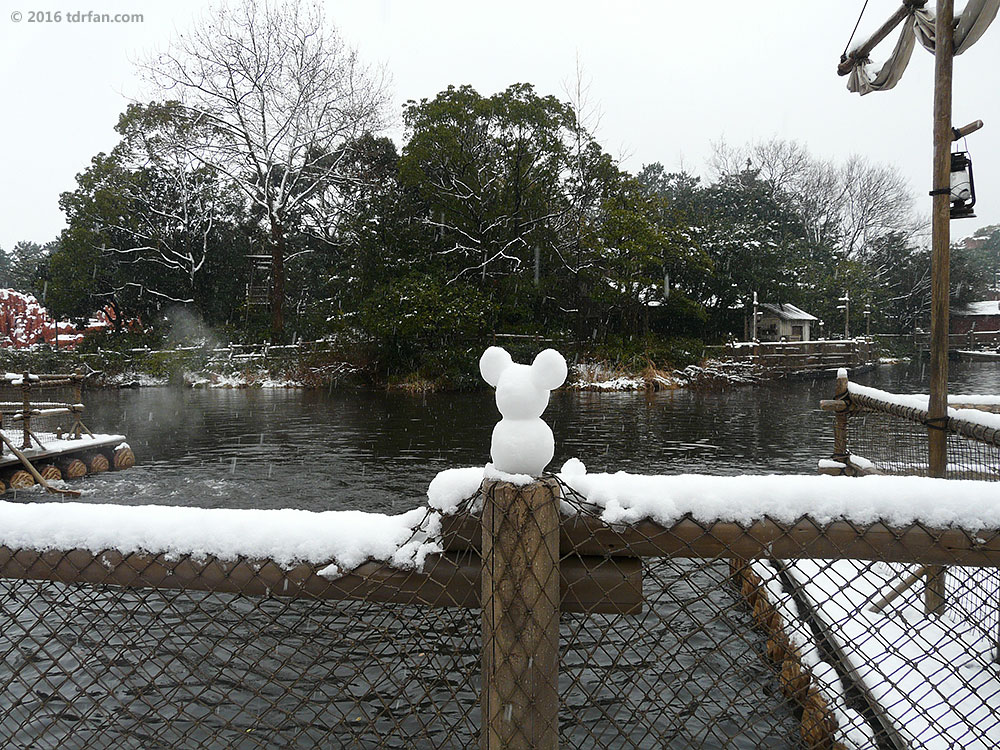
(186,328)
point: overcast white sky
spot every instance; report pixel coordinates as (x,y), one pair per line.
(671,78)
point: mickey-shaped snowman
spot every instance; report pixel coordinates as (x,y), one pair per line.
(522,442)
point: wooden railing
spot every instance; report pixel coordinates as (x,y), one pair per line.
(789,358)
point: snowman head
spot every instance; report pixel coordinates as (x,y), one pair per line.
(522,390)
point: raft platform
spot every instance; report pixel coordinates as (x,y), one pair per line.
(31,455)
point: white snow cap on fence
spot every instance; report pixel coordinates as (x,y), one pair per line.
(522,443)
(898,501)
(630,498)
(921,401)
(288,537)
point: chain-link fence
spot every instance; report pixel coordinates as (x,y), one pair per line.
(531,622)
(879,433)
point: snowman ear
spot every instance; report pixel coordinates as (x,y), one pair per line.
(549,369)
(493,362)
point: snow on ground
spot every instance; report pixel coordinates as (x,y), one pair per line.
(203,380)
(714,372)
(238,380)
(135,380)
(597,376)
(935,677)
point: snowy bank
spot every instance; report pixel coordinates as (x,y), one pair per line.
(598,376)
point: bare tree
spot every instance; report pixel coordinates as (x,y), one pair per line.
(844,207)
(281,96)
(877,203)
(175,202)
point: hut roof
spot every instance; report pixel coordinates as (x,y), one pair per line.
(787,312)
(986,307)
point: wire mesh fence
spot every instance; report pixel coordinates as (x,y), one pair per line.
(884,433)
(531,623)
(896,445)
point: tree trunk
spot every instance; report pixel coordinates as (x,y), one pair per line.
(277,279)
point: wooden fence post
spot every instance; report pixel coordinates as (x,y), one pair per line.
(935,593)
(26,399)
(840,452)
(520,616)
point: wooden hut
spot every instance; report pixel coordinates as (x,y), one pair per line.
(976,316)
(784,322)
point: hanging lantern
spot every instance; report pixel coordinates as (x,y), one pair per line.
(963,186)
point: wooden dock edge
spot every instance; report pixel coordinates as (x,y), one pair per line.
(845,667)
(818,725)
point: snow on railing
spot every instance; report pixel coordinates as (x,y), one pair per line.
(287,537)
(623,498)
(970,414)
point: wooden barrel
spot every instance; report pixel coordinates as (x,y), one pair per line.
(123,459)
(96,463)
(71,468)
(49,472)
(3,486)
(20,480)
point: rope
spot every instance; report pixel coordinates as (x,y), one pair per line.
(936,423)
(843,55)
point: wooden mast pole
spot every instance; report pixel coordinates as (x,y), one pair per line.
(937,411)
(940,235)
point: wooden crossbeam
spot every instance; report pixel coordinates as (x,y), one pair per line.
(861,52)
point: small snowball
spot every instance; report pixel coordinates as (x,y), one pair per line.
(330,571)
(573,468)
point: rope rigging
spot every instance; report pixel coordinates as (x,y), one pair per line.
(843,55)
